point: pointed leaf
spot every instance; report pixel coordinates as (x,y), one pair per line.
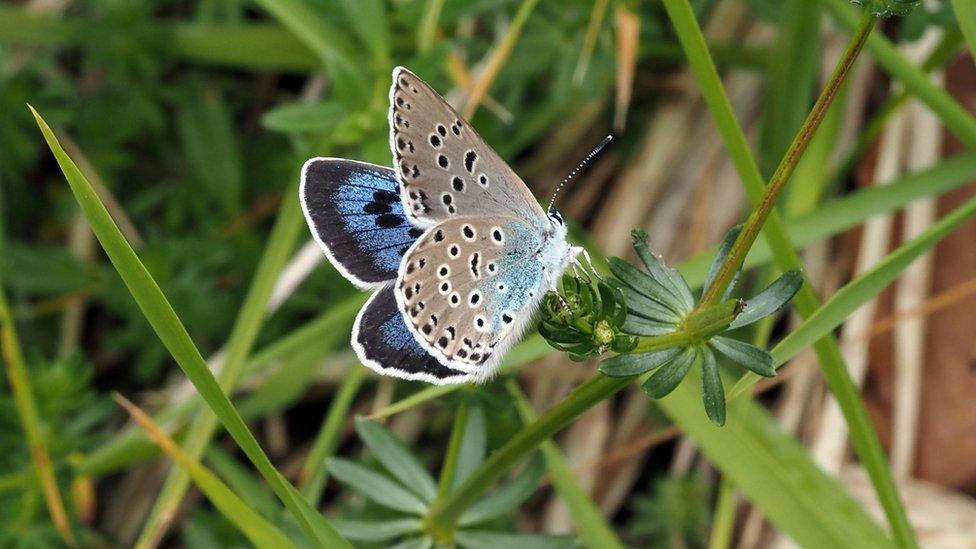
(670,374)
(506,498)
(478,539)
(472,451)
(670,278)
(396,458)
(644,284)
(641,305)
(713,395)
(375,486)
(376,530)
(723,251)
(636,364)
(744,354)
(771,299)
(644,327)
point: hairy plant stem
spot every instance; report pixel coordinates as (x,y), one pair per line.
(784,170)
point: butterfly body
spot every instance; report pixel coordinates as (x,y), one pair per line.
(456,247)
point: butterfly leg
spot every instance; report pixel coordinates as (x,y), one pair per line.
(576,252)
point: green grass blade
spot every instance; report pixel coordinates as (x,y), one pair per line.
(288,226)
(775,472)
(161,316)
(259,531)
(966,17)
(27,413)
(588,520)
(315,470)
(867,286)
(953,115)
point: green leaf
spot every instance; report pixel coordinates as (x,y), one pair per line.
(375,486)
(506,498)
(644,285)
(305,117)
(713,395)
(643,327)
(775,473)
(670,278)
(376,530)
(744,354)
(966,17)
(723,251)
(644,306)
(770,300)
(669,375)
(173,334)
(472,450)
(396,458)
(636,364)
(478,539)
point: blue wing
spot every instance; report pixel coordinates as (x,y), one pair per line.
(355,213)
(384,344)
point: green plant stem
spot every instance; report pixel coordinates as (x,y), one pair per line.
(954,116)
(588,520)
(315,470)
(30,420)
(449,468)
(863,437)
(786,166)
(443,514)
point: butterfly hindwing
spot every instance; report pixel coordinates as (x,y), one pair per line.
(355,213)
(467,289)
(385,344)
(446,169)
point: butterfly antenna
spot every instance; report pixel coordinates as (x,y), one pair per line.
(586,161)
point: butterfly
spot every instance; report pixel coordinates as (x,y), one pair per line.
(455,247)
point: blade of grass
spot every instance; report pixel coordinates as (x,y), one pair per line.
(30,420)
(589,40)
(428,25)
(288,226)
(498,57)
(259,531)
(863,437)
(966,17)
(315,470)
(955,117)
(775,472)
(588,520)
(167,325)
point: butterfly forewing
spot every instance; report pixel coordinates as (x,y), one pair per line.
(444,166)
(467,288)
